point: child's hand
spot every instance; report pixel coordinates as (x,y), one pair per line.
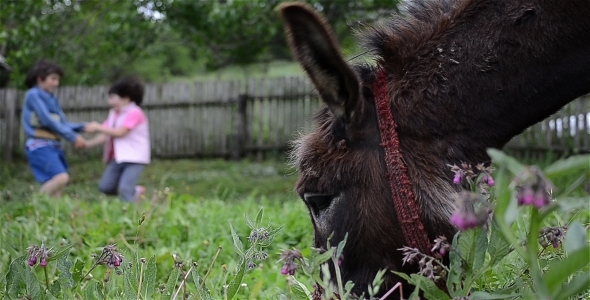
(80,142)
(92,127)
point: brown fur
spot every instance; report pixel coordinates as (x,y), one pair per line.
(465,75)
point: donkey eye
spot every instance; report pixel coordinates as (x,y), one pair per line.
(318,202)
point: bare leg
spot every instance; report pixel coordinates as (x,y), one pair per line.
(54,187)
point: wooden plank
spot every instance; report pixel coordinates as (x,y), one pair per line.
(12,134)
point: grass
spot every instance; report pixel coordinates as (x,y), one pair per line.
(188,210)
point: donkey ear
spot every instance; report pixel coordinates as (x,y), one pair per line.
(314,46)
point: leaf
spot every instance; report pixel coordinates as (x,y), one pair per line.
(498,247)
(488,296)
(299,290)
(99,289)
(431,291)
(560,271)
(237,243)
(235,283)
(63,252)
(34,289)
(500,158)
(149,278)
(65,276)
(322,258)
(511,213)
(90,291)
(575,238)
(130,280)
(78,269)
(572,203)
(172,280)
(472,248)
(55,289)
(567,166)
(203,292)
(402,275)
(15,277)
(481,247)
(259,217)
(454,278)
(577,285)
(341,246)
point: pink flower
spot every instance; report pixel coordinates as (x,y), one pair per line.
(488,179)
(466,216)
(525,196)
(458,177)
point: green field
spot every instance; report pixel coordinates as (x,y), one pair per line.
(188,207)
(187,211)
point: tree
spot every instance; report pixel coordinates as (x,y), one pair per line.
(94,40)
(241,32)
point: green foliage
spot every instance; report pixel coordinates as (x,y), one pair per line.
(200,241)
(559,274)
(244,32)
(93,40)
(97,41)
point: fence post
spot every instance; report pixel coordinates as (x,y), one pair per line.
(237,151)
(12,122)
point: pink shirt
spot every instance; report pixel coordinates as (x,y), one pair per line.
(134,147)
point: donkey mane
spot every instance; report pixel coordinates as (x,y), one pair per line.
(399,39)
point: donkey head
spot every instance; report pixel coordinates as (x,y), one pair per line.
(457,85)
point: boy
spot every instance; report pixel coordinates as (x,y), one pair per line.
(45,125)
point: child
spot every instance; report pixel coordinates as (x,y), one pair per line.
(125,134)
(45,125)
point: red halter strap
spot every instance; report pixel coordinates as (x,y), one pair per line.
(402,192)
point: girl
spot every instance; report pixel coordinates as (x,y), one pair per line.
(45,125)
(125,134)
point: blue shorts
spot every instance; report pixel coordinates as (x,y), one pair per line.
(46,161)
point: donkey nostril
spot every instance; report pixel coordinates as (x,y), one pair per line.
(318,202)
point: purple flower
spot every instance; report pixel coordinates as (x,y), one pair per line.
(551,236)
(488,179)
(410,254)
(425,262)
(38,253)
(289,257)
(32,260)
(465,172)
(535,189)
(441,245)
(541,199)
(525,196)
(466,216)
(110,256)
(340,260)
(458,177)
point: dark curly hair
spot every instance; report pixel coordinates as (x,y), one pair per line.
(42,69)
(129,86)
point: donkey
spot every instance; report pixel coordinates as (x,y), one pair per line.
(452,78)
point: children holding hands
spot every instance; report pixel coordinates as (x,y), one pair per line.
(125,134)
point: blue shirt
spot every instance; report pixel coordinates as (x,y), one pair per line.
(41,105)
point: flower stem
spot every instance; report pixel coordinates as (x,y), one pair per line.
(140,281)
(532,250)
(210,267)
(46,277)
(338,277)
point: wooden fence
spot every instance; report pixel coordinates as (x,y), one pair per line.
(237,118)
